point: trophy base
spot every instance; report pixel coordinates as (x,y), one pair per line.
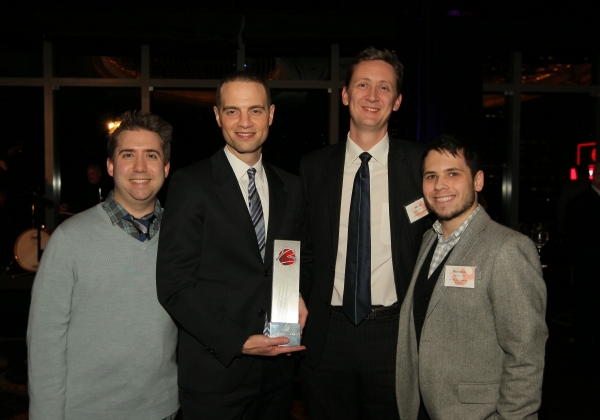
(285,329)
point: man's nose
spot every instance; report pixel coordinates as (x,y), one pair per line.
(245,120)
(140,164)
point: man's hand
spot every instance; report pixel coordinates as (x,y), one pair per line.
(302,314)
(260,345)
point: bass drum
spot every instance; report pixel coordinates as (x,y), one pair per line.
(26,248)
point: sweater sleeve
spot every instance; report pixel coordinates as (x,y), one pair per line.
(49,318)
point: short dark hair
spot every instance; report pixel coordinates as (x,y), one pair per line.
(373,54)
(242,76)
(137,120)
(450,144)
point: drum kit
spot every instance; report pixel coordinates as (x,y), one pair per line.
(31,243)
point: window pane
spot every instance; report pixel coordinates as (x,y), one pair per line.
(496,69)
(493,148)
(290,63)
(552,127)
(186,63)
(300,125)
(120,62)
(22,167)
(81,129)
(196,135)
(17,60)
(557,70)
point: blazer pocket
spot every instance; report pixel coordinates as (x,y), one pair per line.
(478,392)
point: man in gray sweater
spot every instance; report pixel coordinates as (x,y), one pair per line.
(100,345)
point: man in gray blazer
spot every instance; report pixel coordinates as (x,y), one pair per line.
(472,329)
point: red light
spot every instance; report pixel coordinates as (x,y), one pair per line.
(573,174)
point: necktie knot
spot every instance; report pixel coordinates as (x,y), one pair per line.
(142,225)
(365,157)
(251,173)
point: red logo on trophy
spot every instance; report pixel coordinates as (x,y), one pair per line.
(287,256)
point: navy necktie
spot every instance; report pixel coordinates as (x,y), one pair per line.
(256,212)
(142,225)
(357,282)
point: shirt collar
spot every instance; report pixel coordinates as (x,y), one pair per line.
(241,168)
(117,212)
(437,227)
(379,152)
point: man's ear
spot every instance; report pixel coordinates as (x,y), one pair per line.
(478,181)
(345,96)
(397,103)
(217,117)
(109,166)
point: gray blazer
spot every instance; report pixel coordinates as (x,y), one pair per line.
(481,354)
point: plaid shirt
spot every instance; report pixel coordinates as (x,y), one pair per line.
(443,247)
(116,212)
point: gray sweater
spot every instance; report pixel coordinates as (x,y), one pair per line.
(100,345)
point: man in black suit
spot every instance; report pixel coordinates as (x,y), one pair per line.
(361,270)
(214,268)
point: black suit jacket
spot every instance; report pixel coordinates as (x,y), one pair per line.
(322,176)
(210,275)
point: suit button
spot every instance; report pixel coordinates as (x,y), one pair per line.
(261,313)
(266,273)
(327,304)
(333,269)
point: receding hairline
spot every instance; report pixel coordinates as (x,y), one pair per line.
(264,90)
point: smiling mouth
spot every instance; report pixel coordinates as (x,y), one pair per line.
(140,181)
(371,109)
(444,199)
(245,135)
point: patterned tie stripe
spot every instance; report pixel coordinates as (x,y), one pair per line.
(141,225)
(256,212)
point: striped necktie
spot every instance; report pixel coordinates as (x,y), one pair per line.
(142,225)
(256,212)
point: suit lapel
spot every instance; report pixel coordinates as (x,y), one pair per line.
(334,194)
(460,252)
(278,199)
(229,192)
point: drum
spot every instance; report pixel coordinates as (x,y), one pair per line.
(26,248)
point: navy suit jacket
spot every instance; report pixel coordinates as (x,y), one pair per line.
(322,174)
(210,276)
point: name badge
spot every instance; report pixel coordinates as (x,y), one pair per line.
(459,276)
(416,210)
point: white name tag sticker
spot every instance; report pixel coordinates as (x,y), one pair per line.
(416,210)
(459,276)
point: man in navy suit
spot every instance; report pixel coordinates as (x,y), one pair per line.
(215,259)
(348,372)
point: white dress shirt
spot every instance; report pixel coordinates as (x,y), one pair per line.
(383,289)
(240,169)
